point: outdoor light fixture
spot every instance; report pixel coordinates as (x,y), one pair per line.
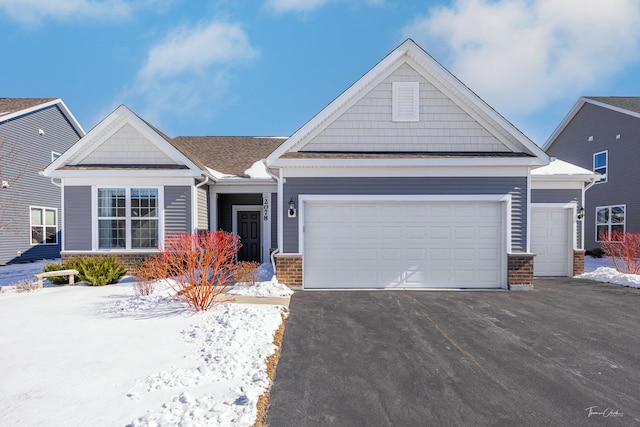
(580,213)
(292,209)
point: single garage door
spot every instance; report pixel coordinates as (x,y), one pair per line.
(403,245)
(550,241)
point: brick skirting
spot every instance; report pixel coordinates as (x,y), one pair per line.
(128,260)
(289,269)
(578,261)
(520,270)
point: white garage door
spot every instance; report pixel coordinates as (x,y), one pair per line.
(550,241)
(403,245)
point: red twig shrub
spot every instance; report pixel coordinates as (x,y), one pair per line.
(624,251)
(202,266)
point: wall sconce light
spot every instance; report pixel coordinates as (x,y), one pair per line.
(580,214)
(292,209)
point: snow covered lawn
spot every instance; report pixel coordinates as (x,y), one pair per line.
(100,356)
(601,270)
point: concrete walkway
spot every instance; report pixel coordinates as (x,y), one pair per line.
(542,357)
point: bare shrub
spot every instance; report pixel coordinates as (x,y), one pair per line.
(201,265)
(1,290)
(623,249)
(247,272)
(146,276)
(27,285)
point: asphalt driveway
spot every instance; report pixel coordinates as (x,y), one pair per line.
(540,357)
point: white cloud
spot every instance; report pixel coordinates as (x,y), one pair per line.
(521,55)
(34,11)
(189,72)
(283,6)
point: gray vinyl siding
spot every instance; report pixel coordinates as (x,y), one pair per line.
(177,205)
(560,196)
(24,153)
(274,220)
(203,208)
(623,180)
(516,186)
(225,206)
(77,218)
(368,126)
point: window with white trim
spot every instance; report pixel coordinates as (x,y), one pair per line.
(600,164)
(44,225)
(55,155)
(128,218)
(405,104)
(610,219)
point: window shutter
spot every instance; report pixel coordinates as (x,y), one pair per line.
(406,107)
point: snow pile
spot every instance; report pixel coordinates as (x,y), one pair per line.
(611,275)
(269,288)
(258,170)
(266,285)
(223,357)
(602,270)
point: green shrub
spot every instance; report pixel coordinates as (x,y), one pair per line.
(58,280)
(97,271)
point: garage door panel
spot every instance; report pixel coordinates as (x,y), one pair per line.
(403,244)
(550,241)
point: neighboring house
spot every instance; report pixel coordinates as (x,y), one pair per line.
(600,134)
(33,132)
(406,180)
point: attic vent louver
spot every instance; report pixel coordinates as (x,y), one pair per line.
(406,106)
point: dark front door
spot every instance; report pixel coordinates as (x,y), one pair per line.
(249,233)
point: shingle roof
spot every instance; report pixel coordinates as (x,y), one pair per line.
(12,105)
(631,103)
(230,155)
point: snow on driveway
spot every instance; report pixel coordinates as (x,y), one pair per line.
(100,356)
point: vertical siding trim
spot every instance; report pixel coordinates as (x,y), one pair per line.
(280,210)
(528,237)
(266,225)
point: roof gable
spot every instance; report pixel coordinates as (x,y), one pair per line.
(367,106)
(629,105)
(12,108)
(122,139)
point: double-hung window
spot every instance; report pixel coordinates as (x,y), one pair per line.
(600,164)
(128,218)
(44,225)
(610,222)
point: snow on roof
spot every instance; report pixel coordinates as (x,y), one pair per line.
(560,167)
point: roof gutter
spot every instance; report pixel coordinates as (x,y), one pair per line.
(206,180)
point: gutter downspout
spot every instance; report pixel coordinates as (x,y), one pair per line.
(276,250)
(584,190)
(194,203)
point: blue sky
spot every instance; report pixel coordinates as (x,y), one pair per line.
(265,67)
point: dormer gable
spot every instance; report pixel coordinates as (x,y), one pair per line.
(122,140)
